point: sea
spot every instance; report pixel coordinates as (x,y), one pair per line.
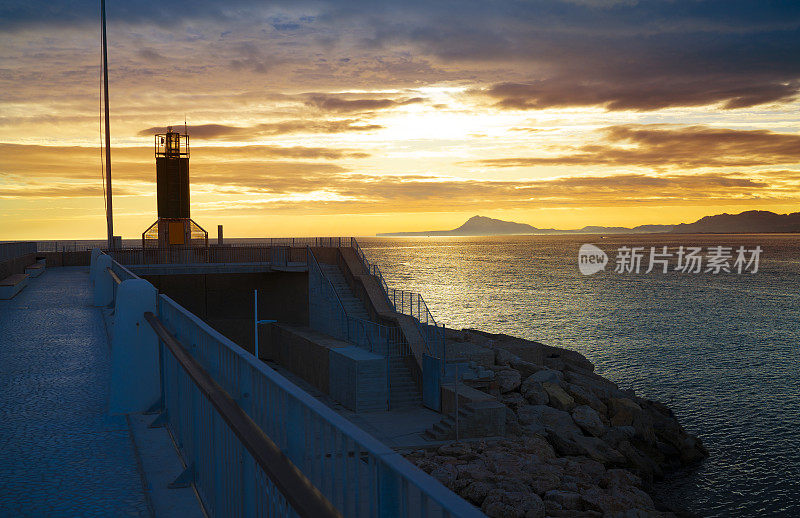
(722,349)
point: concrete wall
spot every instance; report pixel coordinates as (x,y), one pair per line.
(301,351)
(358,379)
(225,300)
(488,416)
(82,258)
(16,265)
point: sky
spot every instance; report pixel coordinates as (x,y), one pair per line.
(325,117)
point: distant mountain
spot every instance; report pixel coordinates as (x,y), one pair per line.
(483,226)
(751,221)
(476,226)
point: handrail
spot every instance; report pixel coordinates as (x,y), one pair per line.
(311,259)
(298,490)
(424,319)
(114,276)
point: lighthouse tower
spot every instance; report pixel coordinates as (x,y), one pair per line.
(174,227)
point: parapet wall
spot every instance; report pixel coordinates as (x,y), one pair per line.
(16,265)
(80,258)
(225,300)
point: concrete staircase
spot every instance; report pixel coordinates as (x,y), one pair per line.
(403,390)
(445,429)
(477,418)
(353,306)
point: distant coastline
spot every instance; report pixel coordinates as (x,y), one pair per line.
(754,221)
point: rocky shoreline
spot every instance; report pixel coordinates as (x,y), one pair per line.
(576,444)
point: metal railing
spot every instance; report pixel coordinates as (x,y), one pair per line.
(328,315)
(15,249)
(135,244)
(356,473)
(284,487)
(275,255)
(255,444)
(408,303)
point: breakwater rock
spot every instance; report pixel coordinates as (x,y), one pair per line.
(576,443)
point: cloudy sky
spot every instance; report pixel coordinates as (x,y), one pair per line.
(350,117)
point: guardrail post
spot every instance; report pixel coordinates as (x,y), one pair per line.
(388,492)
(104,284)
(135,380)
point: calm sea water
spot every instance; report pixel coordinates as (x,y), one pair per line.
(722,350)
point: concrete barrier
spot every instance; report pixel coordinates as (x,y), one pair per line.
(93,265)
(103,283)
(135,382)
(358,379)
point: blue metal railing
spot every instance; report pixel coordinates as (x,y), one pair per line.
(355,472)
(359,475)
(328,315)
(14,249)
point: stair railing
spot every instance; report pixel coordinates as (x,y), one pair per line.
(328,315)
(408,303)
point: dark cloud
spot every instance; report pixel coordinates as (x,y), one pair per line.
(60,190)
(541,53)
(225,132)
(642,95)
(151,55)
(338,104)
(681,146)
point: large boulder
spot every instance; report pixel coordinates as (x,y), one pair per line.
(534,392)
(597,385)
(623,410)
(553,421)
(584,397)
(643,424)
(513,399)
(476,492)
(507,380)
(505,358)
(526,368)
(643,465)
(617,434)
(558,398)
(538,445)
(600,451)
(546,375)
(589,420)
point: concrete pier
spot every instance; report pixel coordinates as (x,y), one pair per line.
(61,453)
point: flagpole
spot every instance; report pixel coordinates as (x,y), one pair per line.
(109,206)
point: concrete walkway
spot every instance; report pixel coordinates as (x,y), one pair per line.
(61,454)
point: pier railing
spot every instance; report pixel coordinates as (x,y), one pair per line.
(135,244)
(255,444)
(356,473)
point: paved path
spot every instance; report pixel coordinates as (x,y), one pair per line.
(61,454)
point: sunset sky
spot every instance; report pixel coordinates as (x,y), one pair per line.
(351,118)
